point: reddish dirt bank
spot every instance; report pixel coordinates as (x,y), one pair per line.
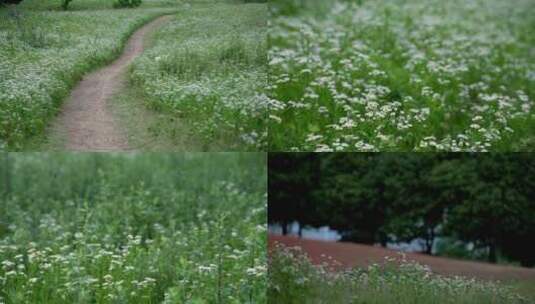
(356,255)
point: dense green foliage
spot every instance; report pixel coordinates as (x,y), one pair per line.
(133,228)
(482,199)
(127,3)
(401,75)
(44,53)
(207,69)
(65,4)
(293,280)
(10,2)
(78,5)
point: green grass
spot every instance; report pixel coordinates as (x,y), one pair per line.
(91,4)
(157,131)
(207,69)
(44,53)
(293,279)
(525,288)
(417,75)
(133,228)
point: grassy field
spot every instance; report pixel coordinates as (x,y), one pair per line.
(136,228)
(401,75)
(43,53)
(293,279)
(207,71)
(91,4)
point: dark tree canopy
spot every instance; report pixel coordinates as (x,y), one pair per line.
(10,1)
(487,200)
(294,176)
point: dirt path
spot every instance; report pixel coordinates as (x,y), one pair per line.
(85,120)
(356,255)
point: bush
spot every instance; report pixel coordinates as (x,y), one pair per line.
(65,4)
(127,3)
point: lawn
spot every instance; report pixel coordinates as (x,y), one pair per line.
(133,228)
(400,75)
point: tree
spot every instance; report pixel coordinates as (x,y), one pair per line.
(290,184)
(518,201)
(10,1)
(487,200)
(493,201)
(353,197)
(417,204)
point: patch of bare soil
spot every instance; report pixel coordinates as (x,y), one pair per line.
(348,255)
(85,120)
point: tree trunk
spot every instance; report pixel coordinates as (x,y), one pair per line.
(429,241)
(383,243)
(284,228)
(492,253)
(383,239)
(529,263)
(428,248)
(300,231)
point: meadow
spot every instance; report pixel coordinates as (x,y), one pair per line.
(207,70)
(293,279)
(132,228)
(401,75)
(44,52)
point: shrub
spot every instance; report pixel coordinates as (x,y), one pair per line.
(127,3)
(65,4)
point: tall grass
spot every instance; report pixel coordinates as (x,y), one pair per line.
(293,279)
(44,53)
(401,75)
(147,228)
(208,69)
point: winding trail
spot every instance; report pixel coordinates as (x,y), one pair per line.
(85,120)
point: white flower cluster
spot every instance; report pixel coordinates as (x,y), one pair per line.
(118,263)
(402,75)
(291,269)
(215,80)
(42,54)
